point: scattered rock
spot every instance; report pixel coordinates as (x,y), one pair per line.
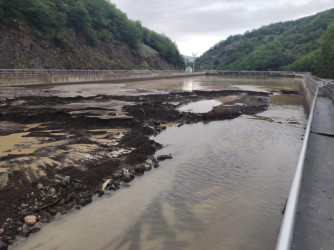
(127,178)
(65,181)
(148,167)
(39,186)
(3,245)
(2,230)
(77,186)
(35,228)
(24,205)
(24,231)
(140,168)
(85,199)
(53,211)
(164,157)
(45,217)
(100,193)
(30,220)
(156,165)
(51,192)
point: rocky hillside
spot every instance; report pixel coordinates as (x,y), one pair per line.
(301,45)
(82,34)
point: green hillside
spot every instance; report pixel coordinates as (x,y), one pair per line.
(98,22)
(302,45)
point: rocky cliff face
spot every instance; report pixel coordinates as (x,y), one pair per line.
(22,46)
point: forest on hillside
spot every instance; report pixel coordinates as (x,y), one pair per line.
(306,44)
(98,21)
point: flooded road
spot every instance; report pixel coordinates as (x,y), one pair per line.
(225,187)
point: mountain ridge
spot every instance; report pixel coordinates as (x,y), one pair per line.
(81,34)
(278,46)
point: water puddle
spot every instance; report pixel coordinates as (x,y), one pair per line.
(200,106)
(294,100)
(20,144)
(227,99)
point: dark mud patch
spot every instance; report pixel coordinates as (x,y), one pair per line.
(75,153)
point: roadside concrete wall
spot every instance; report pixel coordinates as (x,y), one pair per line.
(308,94)
(111,78)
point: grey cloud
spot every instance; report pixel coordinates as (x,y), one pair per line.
(182,20)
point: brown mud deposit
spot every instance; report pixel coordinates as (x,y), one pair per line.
(56,152)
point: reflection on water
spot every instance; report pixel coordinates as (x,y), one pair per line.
(200,106)
(215,83)
(295,100)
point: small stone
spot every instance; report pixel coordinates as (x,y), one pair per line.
(164,157)
(24,231)
(24,205)
(148,167)
(53,211)
(2,230)
(3,245)
(65,181)
(51,191)
(77,186)
(30,220)
(140,168)
(35,228)
(85,201)
(45,217)
(39,186)
(153,159)
(156,165)
(77,207)
(100,193)
(127,178)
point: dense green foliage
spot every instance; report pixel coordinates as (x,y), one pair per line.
(97,20)
(301,45)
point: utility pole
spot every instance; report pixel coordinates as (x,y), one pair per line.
(194,55)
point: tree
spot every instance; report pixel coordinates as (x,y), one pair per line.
(327,53)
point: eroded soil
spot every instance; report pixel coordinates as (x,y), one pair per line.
(55,153)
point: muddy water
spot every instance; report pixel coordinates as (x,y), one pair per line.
(224,189)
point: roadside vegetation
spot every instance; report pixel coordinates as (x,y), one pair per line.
(99,21)
(306,44)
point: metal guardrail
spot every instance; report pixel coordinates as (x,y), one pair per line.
(326,88)
(286,231)
(248,72)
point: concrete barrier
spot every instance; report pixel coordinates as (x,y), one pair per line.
(111,78)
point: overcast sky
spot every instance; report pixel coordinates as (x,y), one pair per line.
(196,25)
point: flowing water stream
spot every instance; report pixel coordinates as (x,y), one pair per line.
(225,188)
